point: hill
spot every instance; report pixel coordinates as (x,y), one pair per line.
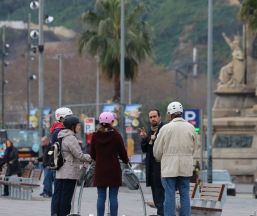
(177,27)
(169,19)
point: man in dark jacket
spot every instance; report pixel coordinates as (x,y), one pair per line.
(153,168)
(48,174)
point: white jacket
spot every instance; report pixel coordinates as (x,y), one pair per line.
(174,146)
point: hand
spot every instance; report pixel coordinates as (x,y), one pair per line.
(88,157)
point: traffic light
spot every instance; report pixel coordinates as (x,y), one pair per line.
(197,130)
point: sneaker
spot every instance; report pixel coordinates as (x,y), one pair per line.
(42,194)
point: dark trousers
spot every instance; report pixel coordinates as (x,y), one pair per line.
(158,196)
(6,188)
(62,197)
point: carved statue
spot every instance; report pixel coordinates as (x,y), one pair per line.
(232,74)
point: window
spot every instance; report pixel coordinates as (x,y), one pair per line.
(233,141)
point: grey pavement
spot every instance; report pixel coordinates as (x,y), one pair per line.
(129,203)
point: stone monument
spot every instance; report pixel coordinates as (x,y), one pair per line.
(235,109)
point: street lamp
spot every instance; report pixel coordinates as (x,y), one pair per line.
(39,5)
(5,47)
(122,66)
(209,90)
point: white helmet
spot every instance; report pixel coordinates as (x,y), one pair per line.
(62,112)
(174,107)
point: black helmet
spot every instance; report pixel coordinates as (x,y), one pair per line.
(70,121)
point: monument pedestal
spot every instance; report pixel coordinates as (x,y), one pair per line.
(231,102)
(234,128)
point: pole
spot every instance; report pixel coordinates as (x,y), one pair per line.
(3,73)
(130,93)
(28,70)
(122,67)
(97,87)
(41,66)
(60,58)
(209,91)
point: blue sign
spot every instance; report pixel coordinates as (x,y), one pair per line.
(192,116)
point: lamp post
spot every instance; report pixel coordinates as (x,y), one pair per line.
(41,66)
(28,70)
(122,67)
(97,87)
(60,60)
(209,90)
(5,48)
(41,20)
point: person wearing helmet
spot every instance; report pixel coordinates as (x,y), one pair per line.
(68,174)
(174,147)
(57,126)
(153,168)
(107,147)
(60,114)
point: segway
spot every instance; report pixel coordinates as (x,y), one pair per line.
(85,179)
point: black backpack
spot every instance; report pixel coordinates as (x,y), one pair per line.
(53,156)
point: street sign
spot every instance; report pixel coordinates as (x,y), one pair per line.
(89,125)
(193,116)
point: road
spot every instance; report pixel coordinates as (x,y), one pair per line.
(129,203)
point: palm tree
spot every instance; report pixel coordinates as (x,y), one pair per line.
(248,13)
(101,38)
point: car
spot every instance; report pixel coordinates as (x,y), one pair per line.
(221,176)
(255,189)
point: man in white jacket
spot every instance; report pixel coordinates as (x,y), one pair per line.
(174,147)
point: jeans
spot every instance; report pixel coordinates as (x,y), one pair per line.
(170,185)
(48,181)
(113,197)
(62,197)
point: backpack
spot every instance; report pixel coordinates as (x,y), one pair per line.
(53,156)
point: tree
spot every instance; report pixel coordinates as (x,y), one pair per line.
(248,13)
(101,37)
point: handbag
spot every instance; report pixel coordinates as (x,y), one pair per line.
(130,179)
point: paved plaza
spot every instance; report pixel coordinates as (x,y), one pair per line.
(129,204)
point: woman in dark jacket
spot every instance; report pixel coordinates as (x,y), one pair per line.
(11,160)
(107,148)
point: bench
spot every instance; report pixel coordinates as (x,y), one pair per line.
(22,187)
(211,200)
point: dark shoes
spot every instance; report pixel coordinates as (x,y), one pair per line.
(45,195)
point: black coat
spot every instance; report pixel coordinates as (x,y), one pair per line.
(153,168)
(11,159)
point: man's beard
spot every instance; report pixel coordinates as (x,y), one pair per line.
(154,124)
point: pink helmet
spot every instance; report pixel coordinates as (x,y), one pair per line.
(106,117)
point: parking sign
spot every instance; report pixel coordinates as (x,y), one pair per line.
(192,116)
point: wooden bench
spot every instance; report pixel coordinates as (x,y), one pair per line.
(211,200)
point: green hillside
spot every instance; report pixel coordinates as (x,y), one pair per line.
(168,19)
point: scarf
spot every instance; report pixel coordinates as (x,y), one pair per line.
(154,130)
